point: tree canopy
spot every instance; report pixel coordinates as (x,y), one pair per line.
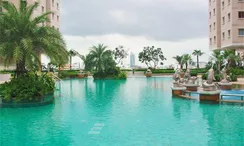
(119,54)
(151,56)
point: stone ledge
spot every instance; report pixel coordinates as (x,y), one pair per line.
(30,104)
(220,83)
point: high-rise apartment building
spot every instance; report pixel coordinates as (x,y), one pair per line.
(132,59)
(226,24)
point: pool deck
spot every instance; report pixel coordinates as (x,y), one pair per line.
(240,81)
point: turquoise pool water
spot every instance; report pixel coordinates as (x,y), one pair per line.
(138,111)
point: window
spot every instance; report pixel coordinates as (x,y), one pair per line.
(241,32)
(228,2)
(58,29)
(223,35)
(214,12)
(229,17)
(223,20)
(57,18)
(228,33)
(241,14)
(223,4)
(210,28)
(209,15)
(53,27)
(210,2)
(58,6)
(53,16)
(240,1)
(210,41)
(42,9)
(214,25)
(214,39)
(53,3)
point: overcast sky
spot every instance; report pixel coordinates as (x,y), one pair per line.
(177,27)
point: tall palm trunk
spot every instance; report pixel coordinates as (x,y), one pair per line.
(70,62)
(197,61)
(20,68)
(186,65)
(229,63)
(219,66)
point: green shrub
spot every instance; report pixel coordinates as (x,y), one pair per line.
(122,75)
(27,88)
(99,75)
(218,77)
(7,72)
(68,74)
(166,71)
(233,77)
(236,71)
(112,71)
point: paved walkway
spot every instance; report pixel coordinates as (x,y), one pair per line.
(240,81)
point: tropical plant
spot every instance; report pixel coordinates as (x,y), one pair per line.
(231,59)
(179,60)
(217,59)
(88,62)
(73,53)
(186,60)
(122,75)
(119,54)
(98,53)
(23,37)
(28,87)
(197,53)
(151,55)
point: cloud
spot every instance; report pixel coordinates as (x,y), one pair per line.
(165,20)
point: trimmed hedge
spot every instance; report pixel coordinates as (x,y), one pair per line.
(237,71)
(7,72)
(194,72)
(68,73)
(218,77)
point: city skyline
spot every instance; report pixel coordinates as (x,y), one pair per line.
(132,60)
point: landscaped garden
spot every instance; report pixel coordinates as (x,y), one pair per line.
(23,39)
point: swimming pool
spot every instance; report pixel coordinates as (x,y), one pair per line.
(138,111)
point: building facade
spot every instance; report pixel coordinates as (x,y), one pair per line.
(226,24)
(132,60)
(45,6)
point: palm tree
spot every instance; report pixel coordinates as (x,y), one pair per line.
(23,37)
(230,57)
(179,60)
(186,59)
(88,62)
(97,53)
(217,56)
(197,53)
(72,53)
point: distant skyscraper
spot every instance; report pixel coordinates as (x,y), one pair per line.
(132,59)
